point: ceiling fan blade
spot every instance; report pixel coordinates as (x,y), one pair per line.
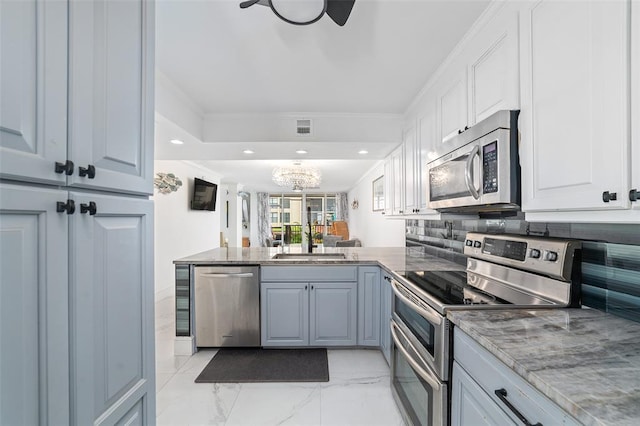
(248,3)
(339,10)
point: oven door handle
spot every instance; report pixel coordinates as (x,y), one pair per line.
(426,375)
(432,317)
(468,179)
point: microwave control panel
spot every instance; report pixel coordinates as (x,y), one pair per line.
(490,168)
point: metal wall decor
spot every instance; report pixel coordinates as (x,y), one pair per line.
(167,183)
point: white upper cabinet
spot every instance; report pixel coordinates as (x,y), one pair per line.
(635,106)
(452,105)
(110,94)
(397,176)
(83,115)
(410,171)
(574,123)
(33,90)
(427,140)
(389,189)
(493,71)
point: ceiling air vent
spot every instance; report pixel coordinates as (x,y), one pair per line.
(303,127)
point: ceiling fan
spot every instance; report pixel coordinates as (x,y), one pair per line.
(305,12)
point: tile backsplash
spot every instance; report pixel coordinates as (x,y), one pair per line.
(610,256)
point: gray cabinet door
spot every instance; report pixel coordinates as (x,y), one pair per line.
(385,317)
(33,90)
(333,314)
(34,358)
(111,50)
(470,405)
(369,306)
(284,313)
(112,321)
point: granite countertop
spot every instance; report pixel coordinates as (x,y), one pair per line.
(586,361)
(394,259)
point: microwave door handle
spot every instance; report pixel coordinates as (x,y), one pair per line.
(467,172)
(433,318)
(426,375)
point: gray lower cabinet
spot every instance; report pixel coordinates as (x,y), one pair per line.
(471,405)
(284,314)
(485,390)
(333,314)
(369,306)
(111,314)
(304,314)
(309,305)
(34,332)
(386,299)
(76,308)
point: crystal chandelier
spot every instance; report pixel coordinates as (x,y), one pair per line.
(297,177)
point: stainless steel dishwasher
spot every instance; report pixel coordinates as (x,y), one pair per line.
(227,304)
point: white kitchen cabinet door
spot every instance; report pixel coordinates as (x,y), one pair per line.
(397,177)
(574,122)
(635,102)
(33,90)
(410,171)
(111,50)
(34,333)
(452,108)
(427,142)
(388,185)
(112,320)
(494,72)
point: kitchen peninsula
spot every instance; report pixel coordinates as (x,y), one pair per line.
(578,363)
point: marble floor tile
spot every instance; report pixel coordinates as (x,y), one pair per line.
(276,404)
(358,392)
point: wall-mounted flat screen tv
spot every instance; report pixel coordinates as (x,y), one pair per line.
(204,195)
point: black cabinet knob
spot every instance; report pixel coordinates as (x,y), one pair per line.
(88,208)
(69,207)
(66,167)
(609,196)
(89,171)
(459,131)
(634,195)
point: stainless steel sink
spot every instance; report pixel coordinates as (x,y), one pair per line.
(309,256)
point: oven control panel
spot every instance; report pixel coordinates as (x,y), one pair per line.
(549,256)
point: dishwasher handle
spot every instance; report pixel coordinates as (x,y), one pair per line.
(226,274)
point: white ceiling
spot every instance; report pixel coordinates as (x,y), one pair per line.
(247,61)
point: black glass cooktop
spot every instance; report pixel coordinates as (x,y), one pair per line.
(447,286)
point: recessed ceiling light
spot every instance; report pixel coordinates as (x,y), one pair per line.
(363,151)
(176,141)
(248,151)
(301,151)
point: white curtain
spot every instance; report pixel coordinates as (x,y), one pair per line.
(264,219)
(342,207)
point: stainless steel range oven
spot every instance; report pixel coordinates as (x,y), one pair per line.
(502,271)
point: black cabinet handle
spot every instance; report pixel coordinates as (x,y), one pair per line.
(311,287)
(502,394)
(634,195)
(305,287)
(66,167)
(89,171)
(88,208)
(609,196)
(69,207)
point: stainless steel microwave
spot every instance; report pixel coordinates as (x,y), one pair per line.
(478,170)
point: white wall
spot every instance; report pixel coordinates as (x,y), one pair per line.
(179,231)
(372,228)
